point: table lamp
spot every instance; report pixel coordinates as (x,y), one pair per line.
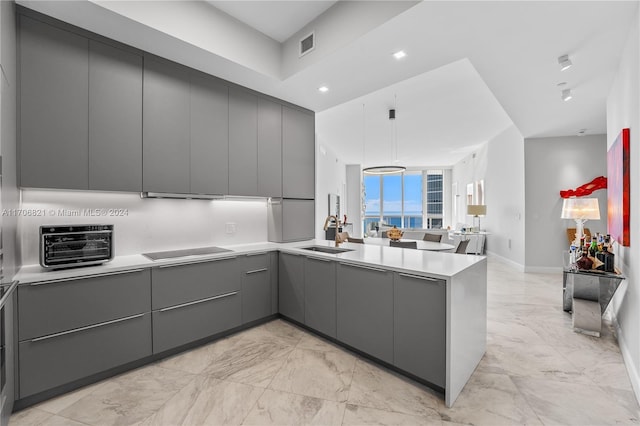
(477,210)
(580,210)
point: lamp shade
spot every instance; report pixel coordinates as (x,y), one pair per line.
(580,208)
(476,209)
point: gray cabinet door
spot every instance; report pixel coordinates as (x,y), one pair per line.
(420,327)
(273,262)
(178,325)
(165,156)
(54,93)
(209,136)
(365,310)
(174,285)
(52,307)
(115,119)
(298,153)
(60,359)
(256,287)
(298,220)
(291,286)
(243,143)
(320,295)
(269,148)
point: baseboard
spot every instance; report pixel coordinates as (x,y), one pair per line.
(632,372)
(516,265)
(543,269)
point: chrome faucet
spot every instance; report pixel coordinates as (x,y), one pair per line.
(326,226)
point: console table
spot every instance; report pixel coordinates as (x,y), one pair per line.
(587,294)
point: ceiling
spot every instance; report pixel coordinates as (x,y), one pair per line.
(276,19)
(472,68)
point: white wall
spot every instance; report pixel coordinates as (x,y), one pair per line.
(148,224)
(330,178)
(623,110)
(551,165)
(500,162)
(353,198)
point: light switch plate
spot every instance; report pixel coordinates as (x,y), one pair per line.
(230,228)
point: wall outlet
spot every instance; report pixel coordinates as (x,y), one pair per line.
(230,228)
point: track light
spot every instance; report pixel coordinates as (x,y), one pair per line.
(566,95)
(565,62)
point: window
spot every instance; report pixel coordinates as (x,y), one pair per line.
(409,200)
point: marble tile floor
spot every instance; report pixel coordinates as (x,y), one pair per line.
(536,371)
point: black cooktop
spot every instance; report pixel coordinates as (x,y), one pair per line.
(182,253)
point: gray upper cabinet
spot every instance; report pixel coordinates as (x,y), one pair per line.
(269,148)
(115,119)
(420,324)
(298,153)
(291,286)
(166,127)
(243,143)
(290,220)
(365,309)
(54,97)
(320,295)
(209,136)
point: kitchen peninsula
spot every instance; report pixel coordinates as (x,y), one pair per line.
(421,313)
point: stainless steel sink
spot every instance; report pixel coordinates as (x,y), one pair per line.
(323,249)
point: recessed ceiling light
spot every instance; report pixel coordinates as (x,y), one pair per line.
(565,62)
(566,95)
(400,54)
(323,89)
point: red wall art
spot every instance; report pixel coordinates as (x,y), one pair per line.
(618,181)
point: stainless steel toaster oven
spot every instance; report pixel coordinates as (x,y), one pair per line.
(66,246)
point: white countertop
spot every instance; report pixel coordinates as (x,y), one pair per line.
(434,264)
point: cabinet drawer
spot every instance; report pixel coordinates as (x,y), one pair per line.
(174,285)
(255,261)
(55,306)
(178,325)
(59,359)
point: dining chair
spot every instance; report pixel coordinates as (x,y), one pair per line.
(436,238)
(462,247)
(404,244)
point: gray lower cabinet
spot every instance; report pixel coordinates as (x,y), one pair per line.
(291,286)
(365,309)
(274,270)
(298,153)
(209,135)
(59,359)
(269,148)
(178,284)
(420,326)
(256,287)
(177,325)
(243,143)
(54,104)
(320,295)
(53,306)
(194,301)
(166,125)
(115,119)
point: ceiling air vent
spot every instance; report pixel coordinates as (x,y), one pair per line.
(307,44)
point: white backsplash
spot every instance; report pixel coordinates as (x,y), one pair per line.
(141,225)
